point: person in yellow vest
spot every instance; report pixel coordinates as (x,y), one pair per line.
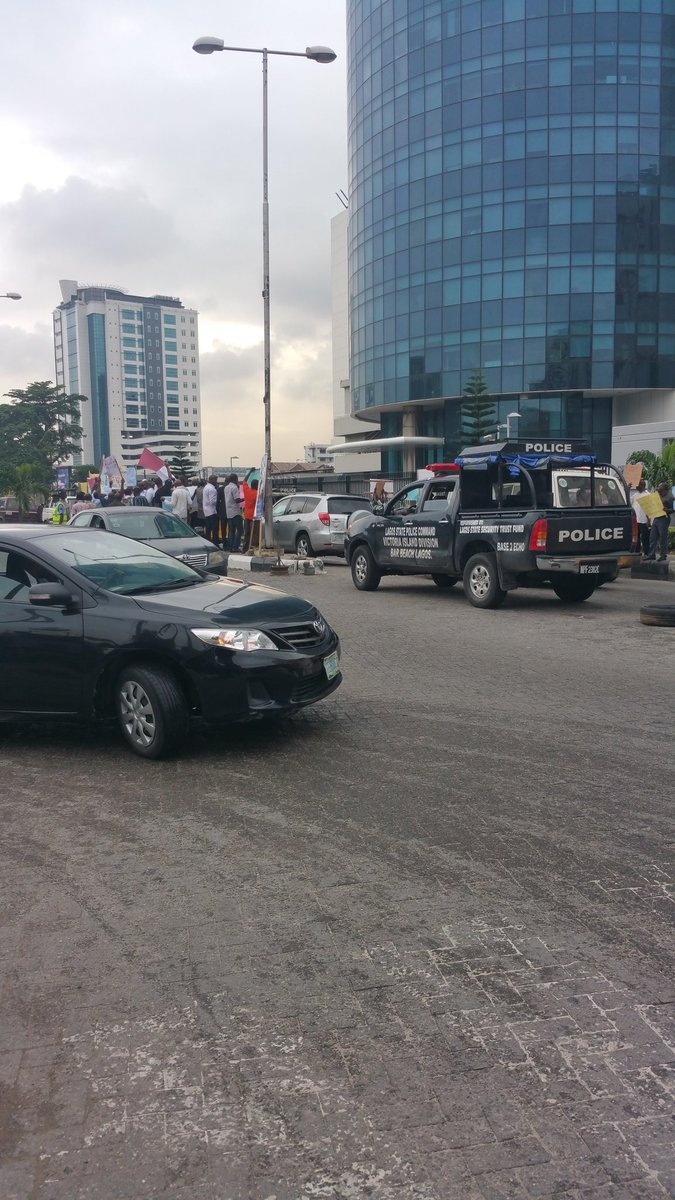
(59,511)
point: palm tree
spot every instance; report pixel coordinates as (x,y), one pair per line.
(26,486)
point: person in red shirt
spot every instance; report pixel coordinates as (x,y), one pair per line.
(250,500)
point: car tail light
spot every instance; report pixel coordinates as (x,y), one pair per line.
(539,535)
(324,518)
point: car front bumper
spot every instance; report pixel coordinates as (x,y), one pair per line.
(239,685)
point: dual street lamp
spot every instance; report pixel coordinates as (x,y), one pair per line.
(320,54)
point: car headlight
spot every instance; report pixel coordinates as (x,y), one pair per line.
(235,639)
(217,556)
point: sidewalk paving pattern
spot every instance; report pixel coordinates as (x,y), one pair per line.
(412,945)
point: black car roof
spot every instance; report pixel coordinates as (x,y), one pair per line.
(30,532)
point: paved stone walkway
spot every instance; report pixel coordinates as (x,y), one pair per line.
(414,945)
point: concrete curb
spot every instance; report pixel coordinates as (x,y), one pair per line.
(242,563)
(652,570)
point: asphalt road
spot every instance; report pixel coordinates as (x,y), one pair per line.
(412,945)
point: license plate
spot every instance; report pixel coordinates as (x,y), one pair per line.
(589,569)
(331,665)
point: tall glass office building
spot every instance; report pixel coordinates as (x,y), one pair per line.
(512,208)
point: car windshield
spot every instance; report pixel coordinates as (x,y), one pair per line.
(119,564)
(147,524)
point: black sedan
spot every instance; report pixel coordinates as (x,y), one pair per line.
(94,625)
(157,528)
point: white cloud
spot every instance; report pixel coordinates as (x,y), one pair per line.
(130,160)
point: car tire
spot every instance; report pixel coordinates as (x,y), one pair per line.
(481,582)
(365,572)
(574,591)
(151,711)
(303,546)
(662,615)
(444,581)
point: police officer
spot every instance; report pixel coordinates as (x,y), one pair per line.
(59,511)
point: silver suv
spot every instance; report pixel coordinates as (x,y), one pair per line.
(314,522)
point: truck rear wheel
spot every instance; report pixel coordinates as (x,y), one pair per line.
(365,571)
(573,591)
(481,582)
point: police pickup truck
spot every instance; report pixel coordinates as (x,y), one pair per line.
(516,514)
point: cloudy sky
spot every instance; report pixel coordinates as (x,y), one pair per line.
(128,159)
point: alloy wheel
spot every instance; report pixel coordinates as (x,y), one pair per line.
(360,568)
(479,581)
(137,714)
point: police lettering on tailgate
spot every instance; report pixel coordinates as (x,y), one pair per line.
(590,535)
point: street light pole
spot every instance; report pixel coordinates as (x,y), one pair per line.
(320,54)
(509,418)
(267,336)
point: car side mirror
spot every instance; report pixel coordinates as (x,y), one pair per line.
(51,595)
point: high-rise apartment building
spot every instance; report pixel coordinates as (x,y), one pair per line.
(512,208)
(136,359)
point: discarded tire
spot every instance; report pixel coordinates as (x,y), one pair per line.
(658,614)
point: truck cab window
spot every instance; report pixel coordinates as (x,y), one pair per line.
(438,496)
(479,488)
(406,503)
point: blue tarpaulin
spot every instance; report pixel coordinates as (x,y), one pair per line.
(530,461)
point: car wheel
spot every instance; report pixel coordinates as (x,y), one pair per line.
(365,571)
(303,546)
(444,581)
(481,582)
(658,614)
(151,711)
(574,591)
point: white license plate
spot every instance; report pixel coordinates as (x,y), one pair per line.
(589,569)
(331,665)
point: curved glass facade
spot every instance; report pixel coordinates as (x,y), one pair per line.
(512,207)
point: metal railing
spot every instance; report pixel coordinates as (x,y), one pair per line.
(344,485)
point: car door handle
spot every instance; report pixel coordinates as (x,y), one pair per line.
(444,521)
(408,522)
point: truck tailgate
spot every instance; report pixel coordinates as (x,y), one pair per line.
(596,531)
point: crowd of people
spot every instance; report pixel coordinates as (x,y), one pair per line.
(223,512)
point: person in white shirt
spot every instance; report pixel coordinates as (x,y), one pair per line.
(641,516)
(210,505)
(149,492)
(180,500)
(235,521)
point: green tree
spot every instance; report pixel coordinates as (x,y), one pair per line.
(27,486)
(81,474)
(478,414)
(182,462)
(659,468)
(40,427)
